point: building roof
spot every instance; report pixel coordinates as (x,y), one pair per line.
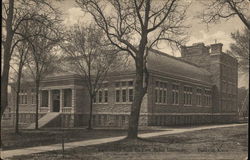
(157,62)
(163,62)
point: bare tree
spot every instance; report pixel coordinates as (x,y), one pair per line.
(90,56)
(226,9)
(22,56)
(240,49)
(133,26)
(215,10)
(44,57)
(14,14)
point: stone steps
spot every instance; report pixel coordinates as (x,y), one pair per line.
(44,120)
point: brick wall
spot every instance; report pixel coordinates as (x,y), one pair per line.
(169,107)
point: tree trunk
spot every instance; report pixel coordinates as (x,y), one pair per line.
(6,58)
(37,101)
(138,96)
(17,98)
(90,112)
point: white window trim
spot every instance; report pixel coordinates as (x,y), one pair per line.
(175,91)
(189,93)
(120,88)
(103,96)
(159,88)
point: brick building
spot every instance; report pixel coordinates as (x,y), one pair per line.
(197,88)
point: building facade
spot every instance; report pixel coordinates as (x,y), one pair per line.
(200,87)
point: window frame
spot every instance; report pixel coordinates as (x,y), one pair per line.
(175,94)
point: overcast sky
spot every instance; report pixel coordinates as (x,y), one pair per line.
(198,31)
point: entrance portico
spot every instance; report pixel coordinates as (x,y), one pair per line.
(57,100)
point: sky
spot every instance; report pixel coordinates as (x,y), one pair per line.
(198,31)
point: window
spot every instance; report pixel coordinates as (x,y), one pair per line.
(164,96)
(117,95)
(207,98)
(67,97)
(23,97)
(102,94)
(160,92)
(106,96)
(45,98)
(33,99)
(198,96)
(187,95)
(117,84)
(131,95)
(175,94)
(160,96)
(130,83)
(94,100)
(124,95)
(124,91)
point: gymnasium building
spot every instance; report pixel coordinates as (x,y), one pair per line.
(200,87)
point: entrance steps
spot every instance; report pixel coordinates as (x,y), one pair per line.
(44,120)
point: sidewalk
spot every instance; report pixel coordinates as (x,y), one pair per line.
(39,149)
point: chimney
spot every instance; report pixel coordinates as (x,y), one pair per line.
(216,48)
(194,50)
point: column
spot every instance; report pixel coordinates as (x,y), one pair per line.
(50,108)
(73,100)
(61,99)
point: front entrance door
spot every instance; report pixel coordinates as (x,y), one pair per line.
(56,100)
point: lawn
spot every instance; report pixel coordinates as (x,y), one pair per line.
(30,138)
(221,143)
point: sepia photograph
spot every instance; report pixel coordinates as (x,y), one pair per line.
(125,79)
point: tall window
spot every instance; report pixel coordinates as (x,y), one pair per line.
(124,91)
(160,92)
(105,96)
(33,96)
(117,95)
(124,95)
(207,97)
(102,94)
(67,98)
(23,97)
(45,100)
(175,94)
(187,95)
(198,97)
(131,95)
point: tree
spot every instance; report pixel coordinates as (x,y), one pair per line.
(22,55)
(18,61)
(240,49)
(44,57)
(226,9)
(90,57)
(134,27)
(14,14)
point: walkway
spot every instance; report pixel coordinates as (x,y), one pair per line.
(31,150)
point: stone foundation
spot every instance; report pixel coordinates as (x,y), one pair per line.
(68,120)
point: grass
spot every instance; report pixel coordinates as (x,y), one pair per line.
(30,138)
(221,143)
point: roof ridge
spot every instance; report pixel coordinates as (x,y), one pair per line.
(177,58)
